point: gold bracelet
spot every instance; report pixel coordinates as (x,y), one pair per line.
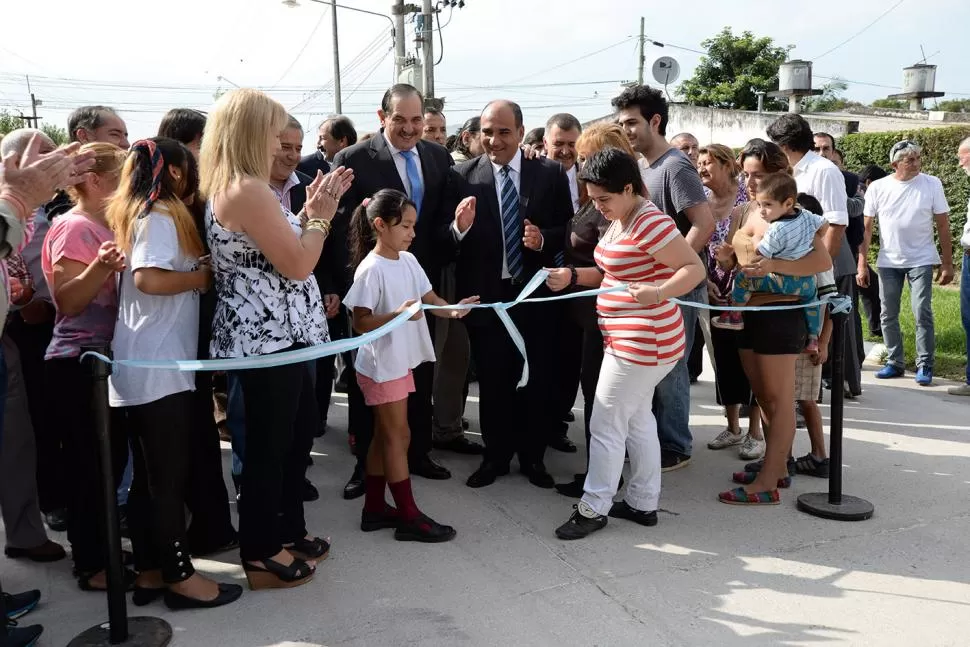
(317,224)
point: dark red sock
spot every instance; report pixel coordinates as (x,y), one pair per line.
(374,493)
(404,499)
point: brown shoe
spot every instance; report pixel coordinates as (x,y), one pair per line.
(49,551)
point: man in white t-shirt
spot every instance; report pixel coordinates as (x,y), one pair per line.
(963,154)
(907,204)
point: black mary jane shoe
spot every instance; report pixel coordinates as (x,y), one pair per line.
(143,596)
(228,593)
(270,574)
(315,549)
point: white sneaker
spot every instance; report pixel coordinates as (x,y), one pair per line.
(751,448)
(726,438)
(963,389)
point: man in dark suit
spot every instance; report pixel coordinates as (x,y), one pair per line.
(397,158)
(523,207)
(333,135)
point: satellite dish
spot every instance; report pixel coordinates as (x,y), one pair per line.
(665,70)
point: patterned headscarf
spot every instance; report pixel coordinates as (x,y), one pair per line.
(158,164)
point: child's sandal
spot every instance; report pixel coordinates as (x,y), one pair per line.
(738,496)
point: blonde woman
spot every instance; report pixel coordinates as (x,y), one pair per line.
(267,302)
(159,319)
(80,260)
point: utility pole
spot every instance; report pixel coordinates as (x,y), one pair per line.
(427,48)
(338,107)
(400,47)
(34,102)
(642,57)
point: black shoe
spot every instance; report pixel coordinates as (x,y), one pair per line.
(486,474)
(573,489)
(808,465)
(424,529)
(459,445)
(562,444)
(581,525)
(143,596)
(21,636)
(17,605)
(671,460)
(49,551)
(355,486)
(228,593)
(424,466)
(623,510)
(56,519)
(315,549)
(340,386)
(538,476)
(758,464)
(569,417)
(310,492)
(371,521)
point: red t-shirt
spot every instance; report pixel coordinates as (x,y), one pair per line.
(647,335)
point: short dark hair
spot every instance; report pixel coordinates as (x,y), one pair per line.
(649,100)
(473,125)
(793,132)
(87,118)
(342,127)
(513,106)
(872,173)
(810,203)
(435,112)
(612,169)
(778,186)
(821,134)
(564,121)
(182,124)
(836,151)
(534,136)
(399,91)
(293,123)
(768,153)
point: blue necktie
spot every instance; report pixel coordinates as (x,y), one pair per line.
(414,178)
(510,224)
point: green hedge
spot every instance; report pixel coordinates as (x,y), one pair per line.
(939,158)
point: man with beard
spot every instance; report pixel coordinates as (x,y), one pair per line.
(397,158)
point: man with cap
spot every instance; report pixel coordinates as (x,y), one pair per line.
(908,203)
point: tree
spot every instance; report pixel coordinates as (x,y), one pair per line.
(9,122)
(891,104)
(56,133)
(954,105)
(831,99)
(734,69)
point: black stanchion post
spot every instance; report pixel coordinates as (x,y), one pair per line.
(833,504)
(119,630)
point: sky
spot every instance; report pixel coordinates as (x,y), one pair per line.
(146,56)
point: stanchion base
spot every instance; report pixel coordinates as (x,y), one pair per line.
(851,509)
(142,632)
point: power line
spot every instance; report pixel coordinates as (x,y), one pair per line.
(858,33)
(575,60)
(299,54)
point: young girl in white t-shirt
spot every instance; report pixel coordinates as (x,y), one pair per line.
(387,281)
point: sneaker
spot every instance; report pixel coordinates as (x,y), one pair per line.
(726,438)
(623,510)
(671,461)
(21,636)
(583,522)
(751,448)
(20,604)
(890,371)
(924,376)
(757,465)
(811,466)
(963,389)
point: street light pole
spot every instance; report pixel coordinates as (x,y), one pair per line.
(427,49)
(338,105)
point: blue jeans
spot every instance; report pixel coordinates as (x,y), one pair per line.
(920,281)
(965,302)
(671,400)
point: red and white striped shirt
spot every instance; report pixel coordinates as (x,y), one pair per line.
(647,335)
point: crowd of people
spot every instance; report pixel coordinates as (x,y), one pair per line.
(218,239)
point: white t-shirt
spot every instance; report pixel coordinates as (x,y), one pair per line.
(382,286)
(905,212)
(154,327)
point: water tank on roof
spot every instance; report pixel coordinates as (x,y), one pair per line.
(919,78)
(795,75)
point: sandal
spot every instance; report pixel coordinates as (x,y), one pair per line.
(273,575)
(747,478)
(738,496)
(315,549)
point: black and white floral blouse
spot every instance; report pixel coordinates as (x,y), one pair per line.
(258,310)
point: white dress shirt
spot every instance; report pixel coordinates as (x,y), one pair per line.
(400,162)
(819,177)
(573,187)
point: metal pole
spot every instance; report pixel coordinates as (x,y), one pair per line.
(338,105)
(642,57)
(400,47)
(427,48)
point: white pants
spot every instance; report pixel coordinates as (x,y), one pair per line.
(622,421)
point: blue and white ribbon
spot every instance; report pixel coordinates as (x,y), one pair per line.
(837,303)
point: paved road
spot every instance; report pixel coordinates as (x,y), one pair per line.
(709,574)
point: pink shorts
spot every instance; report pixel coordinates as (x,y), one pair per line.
(384,392)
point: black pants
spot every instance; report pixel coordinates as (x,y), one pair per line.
(32,341)
(515,420)
(570,357)
(695,361)
(592,362)
(420,411)
(73,415)
(206,497)
(281,417)
(161,434)
(871,303)
(731,385)
(327,366)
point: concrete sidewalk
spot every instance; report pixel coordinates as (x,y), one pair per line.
(708,574)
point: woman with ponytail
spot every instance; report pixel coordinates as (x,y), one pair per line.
(159,319)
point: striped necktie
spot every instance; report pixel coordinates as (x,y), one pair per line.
(511,226)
